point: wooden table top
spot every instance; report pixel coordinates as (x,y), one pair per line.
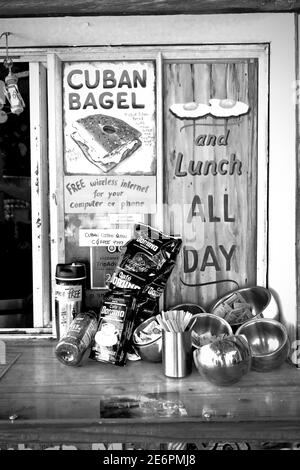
(57,403)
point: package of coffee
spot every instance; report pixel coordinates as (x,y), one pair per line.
(147,261)
(112,339)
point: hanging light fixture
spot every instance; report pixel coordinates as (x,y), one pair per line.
(10,87)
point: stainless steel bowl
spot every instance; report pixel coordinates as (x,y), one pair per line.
(208,324)
(269,343)
(224,361)
(189,307)
(262,301)
(152,351)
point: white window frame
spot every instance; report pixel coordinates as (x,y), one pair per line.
(277,30)
(39,196)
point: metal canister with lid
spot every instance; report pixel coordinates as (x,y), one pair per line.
(69,294)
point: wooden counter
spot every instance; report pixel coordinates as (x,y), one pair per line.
(60,404)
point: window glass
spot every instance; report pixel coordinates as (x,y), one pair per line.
(15,207)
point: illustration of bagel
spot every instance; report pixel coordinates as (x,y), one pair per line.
(104,140)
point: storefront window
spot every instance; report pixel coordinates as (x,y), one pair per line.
(198,176)
(202,177)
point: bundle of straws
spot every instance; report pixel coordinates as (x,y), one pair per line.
(176,321)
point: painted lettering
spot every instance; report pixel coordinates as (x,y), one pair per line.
(178,171)
(136,105)
(90,101)
(74,101)
(212,257)
(198,207)
(91,79)
(106,100)
(190,260)
(227,218)
(210,253)
(96,80)
(211,139)
(198,168)
(75,187)
(125,80)
(109,80)
(233,163)
(70,78)
(122,100)
(228,255)
(211,216)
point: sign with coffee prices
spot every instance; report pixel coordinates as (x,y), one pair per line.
(210,148)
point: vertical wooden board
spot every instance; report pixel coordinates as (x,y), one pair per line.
(214,213)
(39,196)
(174,192)
(55,155)
(295,335)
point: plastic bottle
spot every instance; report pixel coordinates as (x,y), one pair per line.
(71,348)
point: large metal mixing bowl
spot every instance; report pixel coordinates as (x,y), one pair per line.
(269,343)
(224,361)
(208,324)
(261,299)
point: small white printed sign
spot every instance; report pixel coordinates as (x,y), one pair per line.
(104,237)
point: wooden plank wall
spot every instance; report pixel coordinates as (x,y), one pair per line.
(188,82)
(137,7)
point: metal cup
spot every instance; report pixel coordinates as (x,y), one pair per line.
(177,353)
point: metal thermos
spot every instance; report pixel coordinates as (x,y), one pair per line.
(177,353)
(69,295)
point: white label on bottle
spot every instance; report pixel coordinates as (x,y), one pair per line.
(68,292)
(69,303)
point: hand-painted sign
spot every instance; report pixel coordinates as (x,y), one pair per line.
(211,176)
(109,117)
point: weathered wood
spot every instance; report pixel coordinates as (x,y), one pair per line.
(55,158)
(231,229)
(22,8)
(39,196)
(297,103)
(60,404)
(190,431)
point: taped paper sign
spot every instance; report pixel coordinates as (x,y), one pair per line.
(104,237)
(106,195)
